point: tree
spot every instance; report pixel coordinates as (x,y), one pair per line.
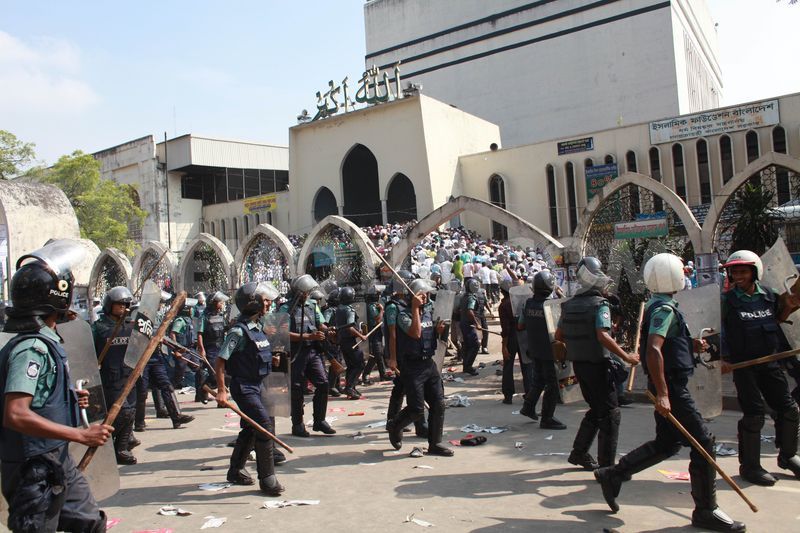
(756,224)
(106,210)
(14,155)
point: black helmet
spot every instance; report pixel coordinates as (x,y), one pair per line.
(472,285)
(543,283)
(44,283)
(347,295)
(333,297)
(406,276)
(422,285)
(250,297)
(590,274)
(117,295)
(304,284)
(317,295)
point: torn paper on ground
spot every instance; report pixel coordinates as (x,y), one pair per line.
(212,521)
(375,425)
(280,504)
(475,428)
(214,486)
(457,400)
(171,510)
(679,476)
(423,523)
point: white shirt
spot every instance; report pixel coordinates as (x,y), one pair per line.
(486,277)
(493,277)
(468,270)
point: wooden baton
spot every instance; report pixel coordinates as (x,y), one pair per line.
(765,359)
(636,340)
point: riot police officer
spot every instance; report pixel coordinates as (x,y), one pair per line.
(331,344)
(210,334)
(182,332)
(540,349)
(471,303)
(38,404)
(374,317)
(346,320)
(247,357)
(306,334)
(668,362)
(422,380)
(113,371)
(584,327)
(751,315)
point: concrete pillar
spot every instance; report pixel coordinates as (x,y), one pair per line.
(384,213)
(341,210)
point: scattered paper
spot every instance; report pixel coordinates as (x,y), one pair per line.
(423,523)
(357,436)
(367,464)
(475,428)
(450,377)
(186,390)
(424,467)
(723,450)
(111,522)
(375,425)
(549,437)
(214,486)
(336,410)
(679,476)
(767,438)
(519,445)
(416,452)
(212,521)
(455,442)
(514,412)
(356,413)
(280,504)
(171,510)
(457,400)
(231,425)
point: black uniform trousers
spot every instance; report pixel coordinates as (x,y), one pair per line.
(73,509)
(354,358)
(484,334)
(471,343)
(422,383)
(545,379)
(508,369)
(247,395)
(597,388)
(308,365)
(762,384)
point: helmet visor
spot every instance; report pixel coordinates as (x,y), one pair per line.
(60,255)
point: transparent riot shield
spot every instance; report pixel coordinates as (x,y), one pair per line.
(102,473)
(277,384)
(443,305)
(520,294)
(145,323)
(778,269)
(567,382)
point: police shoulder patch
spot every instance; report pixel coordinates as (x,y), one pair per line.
(33,369)
(658,321)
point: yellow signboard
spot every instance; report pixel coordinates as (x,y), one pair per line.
(260,204)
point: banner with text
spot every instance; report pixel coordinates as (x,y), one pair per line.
(641,229)
(260,204)
(715,122)
(597,177)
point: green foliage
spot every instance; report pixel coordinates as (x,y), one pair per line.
(105,209)
(14,155)
(756,225)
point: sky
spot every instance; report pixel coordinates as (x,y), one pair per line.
(110,72)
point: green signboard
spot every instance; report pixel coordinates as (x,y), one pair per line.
(641,229)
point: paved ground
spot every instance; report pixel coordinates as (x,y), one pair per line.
(363,484)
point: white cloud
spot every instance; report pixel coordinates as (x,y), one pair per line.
(42,76)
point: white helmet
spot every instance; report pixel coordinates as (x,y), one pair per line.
(746,257)
(663,273)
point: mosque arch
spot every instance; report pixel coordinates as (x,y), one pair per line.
(263,240)
(360,187)
(206,265)
(324,204)
(159,262)
(401,200)
(497,195)
(110,269)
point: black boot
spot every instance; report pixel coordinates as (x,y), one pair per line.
(750,451)
(787,456)
(265,464)
(607,438)
(395,403)
(706,514)
(529,406)
(580,455)
(138,420)
(298,410)
(422,426)
(436,430)
(320,404)
(395,426)
(237,473)
(123,429)
(552,423)
(160,405)
(278,455)
(174,409)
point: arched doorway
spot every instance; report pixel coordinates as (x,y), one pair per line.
(361,192)
(324,204)
(111,269)
(497,195)
(156,262)
(205,266)
(266,255)
(401,200)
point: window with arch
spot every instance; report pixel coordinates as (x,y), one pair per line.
(609,159)
(324,205)
(781,175)
(588,163)
(235,222)
(630,161)
(655,172)
(258,219)
(222,230)
(269,218)
(572,197)
(552,199)
(679,171)
(751,143)
(212,229)
(726,157)
(246,225)
(703,171)
(497,195)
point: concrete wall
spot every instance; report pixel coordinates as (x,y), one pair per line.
(234,216)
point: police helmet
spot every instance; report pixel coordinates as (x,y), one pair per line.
(746,257)
(317,295)
(333,297)
(250,297)
(543,283)
(663,273)
(117,295)
(347,295)
(406,276)
(590,274)
(218,296)
(472,285)
(422,285)
(304,284)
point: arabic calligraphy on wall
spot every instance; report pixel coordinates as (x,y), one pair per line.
(374,87)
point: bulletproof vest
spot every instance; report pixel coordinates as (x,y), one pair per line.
(254,361)
(401,306)
(480,302)
(676,351)
(539,345)
(185,338)
(343,321)
(751,327)
(578,323)
(115,356)
(465,301)
(372,315)
(457,301)
(214,334)
(61,407)
(303,320)
(411,349)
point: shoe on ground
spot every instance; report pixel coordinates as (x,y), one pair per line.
(278,457)
(133,442)
(624,400)
(395,435)
(438,449)
(715,520)
(162,414)
(471,371)
(611,483)
(353,394)
(182,419)
(139,428)
(270,486)
(239,477)
(299,430)
(790,463)
(333,393)
(484,351)
(530,412)
(584,460)
(757,476)
(551,423)
(324,427)
(507,401)
(125,458)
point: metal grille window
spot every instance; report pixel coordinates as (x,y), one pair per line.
(703,172)
(630,161)
(751,141)
(679,171)
(497,195)
(726,157)
(552,199)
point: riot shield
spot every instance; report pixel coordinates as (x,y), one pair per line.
(519,295)
(275,394)
(443,305)
(567,382)
(701,310)
(778,268)
(145,323)
(102,473)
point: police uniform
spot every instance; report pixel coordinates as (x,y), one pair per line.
(375,344)
(470,302)
(581,317)
(332,351)
(345,318)
(212,328)
(480,313)
(114,374)
(307,364)
(541,352)
(751,330)
(35,364)
(248,360)
(183,329)
(421,379)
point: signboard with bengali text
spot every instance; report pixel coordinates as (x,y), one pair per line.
(715,122)
(260,204)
